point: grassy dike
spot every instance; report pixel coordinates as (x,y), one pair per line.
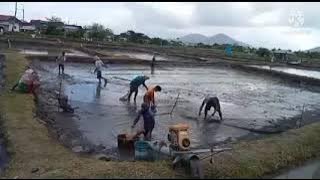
(256,159)
(31,147)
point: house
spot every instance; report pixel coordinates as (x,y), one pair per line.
(56,25)
(281,55)
(109,38)
(71,28)
(9,24)
(27,27)
(39,24)
(285,57)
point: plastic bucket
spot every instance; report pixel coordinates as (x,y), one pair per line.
(143,151)
(125,147)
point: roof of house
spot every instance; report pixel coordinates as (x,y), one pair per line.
(38,21)
(6,18)
(282,52)
(26,24)
(67,25)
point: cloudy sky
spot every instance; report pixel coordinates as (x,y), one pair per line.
(283,25)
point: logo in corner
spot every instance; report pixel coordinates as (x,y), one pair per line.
(296,18)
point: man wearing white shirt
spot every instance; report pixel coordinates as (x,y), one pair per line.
(99,64)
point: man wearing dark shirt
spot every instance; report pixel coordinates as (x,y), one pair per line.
(211,102)
(148,120)
(134,86)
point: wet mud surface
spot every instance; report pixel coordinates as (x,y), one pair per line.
(252,105)
(295,71)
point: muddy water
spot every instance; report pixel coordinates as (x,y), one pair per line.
(247,100)
(143,56)
(55,52)
(294,71)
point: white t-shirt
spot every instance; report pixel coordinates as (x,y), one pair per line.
(99,64)
(61,59)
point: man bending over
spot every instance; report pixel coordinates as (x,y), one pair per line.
(211,102)
(134,86)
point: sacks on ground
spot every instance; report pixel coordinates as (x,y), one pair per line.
(23,87)
(27,77)
(29,81)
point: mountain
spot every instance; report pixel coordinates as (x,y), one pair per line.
(194,38)
(317,49)
(218,39)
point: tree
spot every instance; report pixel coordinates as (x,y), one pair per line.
(98,32)
(156,41)
(55,26)
(77,34)
(136,37)
(54,19)
(109,32)
(263,52)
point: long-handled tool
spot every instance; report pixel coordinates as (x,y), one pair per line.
(60,84)
(172,109)
(175,104)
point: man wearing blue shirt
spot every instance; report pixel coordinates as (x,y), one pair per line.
(134,86)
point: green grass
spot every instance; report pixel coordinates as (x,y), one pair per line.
(258,158)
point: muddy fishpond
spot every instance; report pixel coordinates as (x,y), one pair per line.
(253,105)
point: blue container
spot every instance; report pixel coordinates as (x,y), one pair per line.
(143,151)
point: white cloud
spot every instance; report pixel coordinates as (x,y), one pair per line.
(259,23)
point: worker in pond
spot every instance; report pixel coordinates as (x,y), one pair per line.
(61,60)
(99,64)
(148,120)
(134,86)
(211,102)
(149,96)
(153,63)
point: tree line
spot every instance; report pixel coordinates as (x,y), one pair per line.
(98,32)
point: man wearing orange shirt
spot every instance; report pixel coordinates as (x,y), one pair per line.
(149,95)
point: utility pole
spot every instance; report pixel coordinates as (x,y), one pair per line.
(15,11)
(23,12)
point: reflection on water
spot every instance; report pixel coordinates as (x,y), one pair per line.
(34,52)
(295,71)
(144,56)
(52,52)
(98,90)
